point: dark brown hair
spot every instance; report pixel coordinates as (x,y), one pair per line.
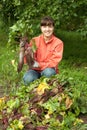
(47,21)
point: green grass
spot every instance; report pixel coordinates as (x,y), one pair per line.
(74,47)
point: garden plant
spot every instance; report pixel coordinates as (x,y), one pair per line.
(55,103)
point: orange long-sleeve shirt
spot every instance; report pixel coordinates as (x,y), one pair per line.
(48,54)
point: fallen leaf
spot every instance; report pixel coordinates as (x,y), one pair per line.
(68,102)
(41,88)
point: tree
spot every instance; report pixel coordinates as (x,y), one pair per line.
(24,16)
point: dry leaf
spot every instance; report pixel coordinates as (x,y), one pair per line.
(68,102)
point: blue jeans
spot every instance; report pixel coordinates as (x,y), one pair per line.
(32,75)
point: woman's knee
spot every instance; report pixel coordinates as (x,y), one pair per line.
(30,76)
(48,72)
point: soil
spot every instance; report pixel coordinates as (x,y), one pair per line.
(83,117)
(1,92)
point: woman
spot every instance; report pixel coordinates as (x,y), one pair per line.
(48,53)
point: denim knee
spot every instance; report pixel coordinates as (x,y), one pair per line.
(48,72)
(30,76)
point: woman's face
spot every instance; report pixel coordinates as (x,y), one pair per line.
(47,30)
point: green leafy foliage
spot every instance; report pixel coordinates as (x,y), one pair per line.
(24,16)
(47,103)
(55,108)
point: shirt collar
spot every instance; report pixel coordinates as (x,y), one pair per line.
(52,38)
